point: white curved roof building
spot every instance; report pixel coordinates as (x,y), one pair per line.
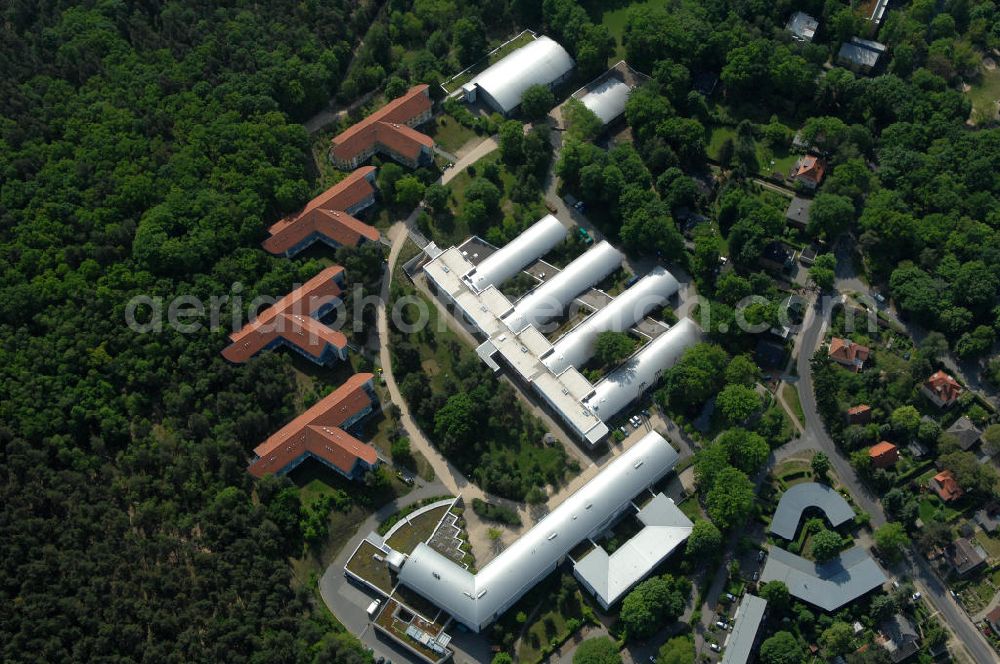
(575,347)
(642,370)
(536,241)
(476,600)
(543,61)
(607,99)
(552,297)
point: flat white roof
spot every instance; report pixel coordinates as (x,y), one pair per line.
(627,382)
(536,241)
(476,600)
(554,295)
(611,576)
(543,61)
(576,346)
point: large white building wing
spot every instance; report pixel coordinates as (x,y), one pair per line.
(642,370)
(536,241)
(543,61)
(576,347)
(552,297)
(477,600)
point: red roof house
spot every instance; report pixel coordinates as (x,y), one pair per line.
(941,389)
(328,217)
(388,130)
(993,618)
(321,433)
(861,414)
(884,455)
(946,486)
(846,352)
(292,321)
(809,170)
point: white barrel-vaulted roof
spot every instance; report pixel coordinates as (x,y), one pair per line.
(548,300)
(627,382)
(534,242)
(543,61)
(607,99)
(476,600)
(576,346)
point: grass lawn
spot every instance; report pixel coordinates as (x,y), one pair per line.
(783,158)
(615,19)
(992,547)
(692,509)
(548,626)
(984,95)
(931,508)
(791,397)
(448,132)
(419,529)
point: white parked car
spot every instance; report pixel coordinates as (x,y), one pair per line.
(916,596)
(715,647)
(721,625)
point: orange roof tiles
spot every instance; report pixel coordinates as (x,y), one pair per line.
(381,126)
(947,486)
(810,168)
(317,432)
(290,319)
(847,352)
(884,454)
(944,386)
(325,215)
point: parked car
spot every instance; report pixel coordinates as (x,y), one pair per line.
(645,413)
(916,596)
(731,597)
(721,625)
(715,647)
(761,555)
(756,575)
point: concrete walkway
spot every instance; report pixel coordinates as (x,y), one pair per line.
(474,155)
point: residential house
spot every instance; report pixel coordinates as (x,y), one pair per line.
(941,389)
(884,455)
(860,414)
(777,256)
(808,255)
(860,55)
(389,131)
(966,434)
(809,170)
(322,433)
(946,486)
(797,214)
(293,321)
(993,619)
(899,637)
(964,556)
(802,26)
(328,218)
(849,354)
(988,518)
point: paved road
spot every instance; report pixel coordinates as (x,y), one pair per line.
(816,436)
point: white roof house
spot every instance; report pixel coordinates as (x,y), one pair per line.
(609,577)
(741,641)
(576,346)
(542,61)
(476,600)
(642,370)
(552,297)
(536,240)
(607,99)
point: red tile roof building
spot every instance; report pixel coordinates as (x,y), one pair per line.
(946,486)
(860,414)
(388,130)
(809,170)
(846,352)
(321,433)
(993,618)
(328,217)
(292,321)
(942,389)
(884,455)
